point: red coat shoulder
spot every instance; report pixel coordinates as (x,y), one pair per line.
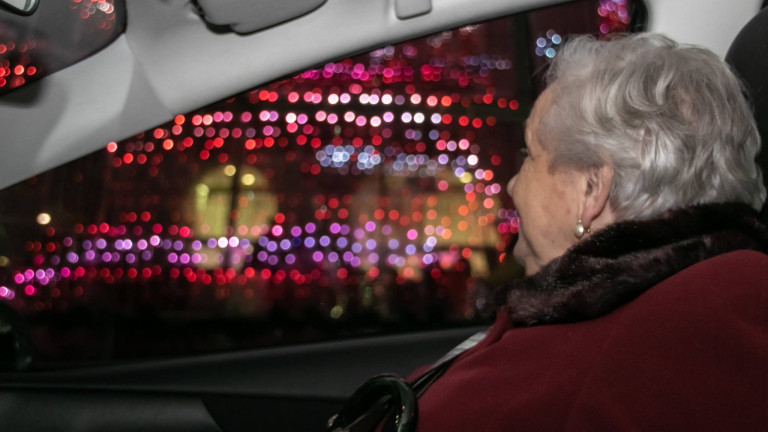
(691,353)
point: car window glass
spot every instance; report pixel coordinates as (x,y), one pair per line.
(365,196)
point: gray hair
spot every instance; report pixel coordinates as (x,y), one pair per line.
(670,119)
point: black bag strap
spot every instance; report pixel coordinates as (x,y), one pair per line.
(370,403)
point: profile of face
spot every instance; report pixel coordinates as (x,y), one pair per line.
(552,200)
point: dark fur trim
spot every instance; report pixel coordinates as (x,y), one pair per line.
(620,262)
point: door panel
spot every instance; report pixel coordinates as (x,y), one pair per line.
(102,411)
(293,388)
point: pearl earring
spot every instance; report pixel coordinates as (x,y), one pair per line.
(580,230)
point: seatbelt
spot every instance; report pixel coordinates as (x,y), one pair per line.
(425,380)
(386,394)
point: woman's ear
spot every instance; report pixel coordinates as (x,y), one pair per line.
(596,211)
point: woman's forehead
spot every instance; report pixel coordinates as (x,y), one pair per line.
(541,105)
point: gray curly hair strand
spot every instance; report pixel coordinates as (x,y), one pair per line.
(670,119)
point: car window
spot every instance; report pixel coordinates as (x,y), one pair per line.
(365,196)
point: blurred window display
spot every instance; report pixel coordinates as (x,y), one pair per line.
(366,196)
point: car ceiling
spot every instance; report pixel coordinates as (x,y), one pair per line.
(170,61)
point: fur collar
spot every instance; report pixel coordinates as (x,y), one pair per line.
(620,262)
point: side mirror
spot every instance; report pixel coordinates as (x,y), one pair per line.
(20,7)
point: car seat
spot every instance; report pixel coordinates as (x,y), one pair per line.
(748,55)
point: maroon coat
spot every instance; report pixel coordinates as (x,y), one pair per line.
(689,353)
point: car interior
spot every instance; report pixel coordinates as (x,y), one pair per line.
(123,100)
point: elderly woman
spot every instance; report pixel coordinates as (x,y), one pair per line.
(645,301)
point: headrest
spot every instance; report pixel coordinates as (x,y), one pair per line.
(749,57)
